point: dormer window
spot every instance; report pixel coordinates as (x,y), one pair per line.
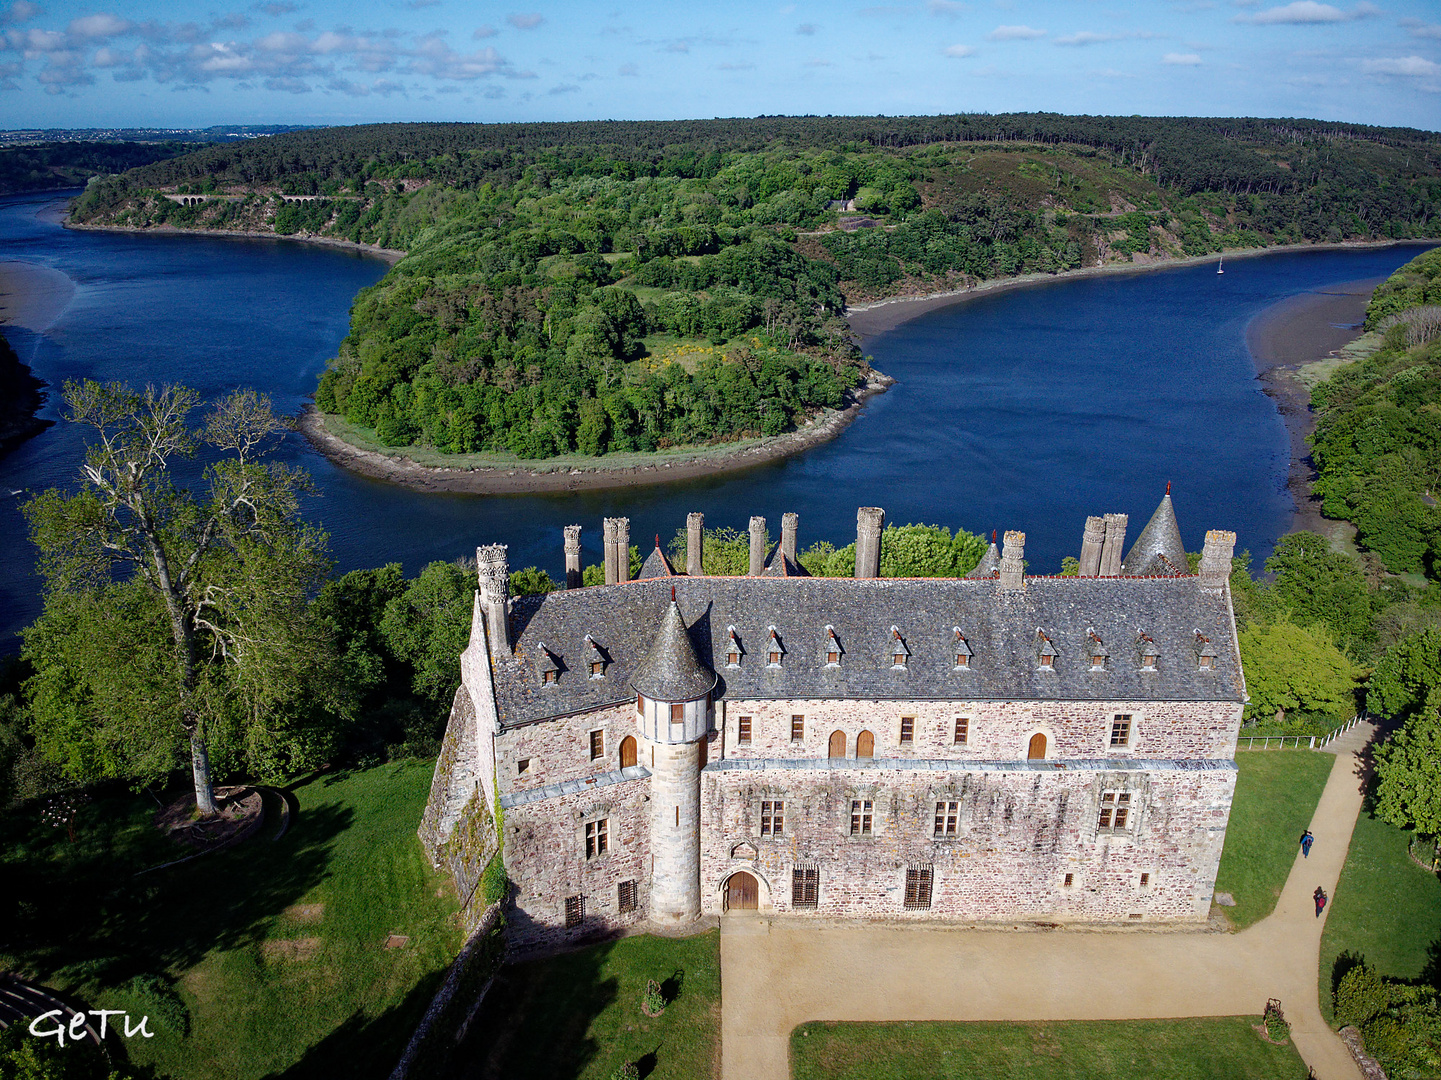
(598,659)
(1207,662)
(1205,653)
(774,649)
(1097,651)
(833,648)
(1147,649)
(961,650)
(833,659)
(549,668)
(733,648)
(547,678)
(899,652)
(597,669)
(1046,654)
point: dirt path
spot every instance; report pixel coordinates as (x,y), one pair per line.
(778,973)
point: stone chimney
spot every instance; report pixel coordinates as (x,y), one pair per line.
(1013,562)
(789,524)
(869,522)
(617,550)
(758,546)
(695,545)
(572,557)
(1215,568)
(493,572)
(608,549)
(1091,542)
(1111,547)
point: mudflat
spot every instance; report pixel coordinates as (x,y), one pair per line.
(32,296)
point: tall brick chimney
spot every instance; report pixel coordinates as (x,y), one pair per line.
(1013,562)
(695,544)
(1215,568)
(1112,545)
(493,573)
(572,557)
(870,520)
(1091,542)
(758,546)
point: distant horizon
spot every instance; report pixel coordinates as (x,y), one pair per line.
(75,64)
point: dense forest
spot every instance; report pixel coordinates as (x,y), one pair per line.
(53,165)
(627,286)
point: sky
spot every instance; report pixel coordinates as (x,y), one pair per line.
(168,63)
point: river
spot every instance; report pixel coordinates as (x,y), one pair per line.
(1023,410)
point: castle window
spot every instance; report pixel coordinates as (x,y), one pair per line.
(962,660)
(774,648)
(1207,662)
(773,817)
(962,650)
(963,730)
(1115,815)
(574,911)
(805,887)
(743,731)
(640,704)
(947,818)
(918,886)
(597,669)
(522,767)
(775,659)
(798,729)
(677,712)
(627,752)
(547,678)
(1145,881)
(860,817)
(1121,730)
(1068,881)
(1148,660)
(733,659)
(833,659)
(865,745)
(627,896)
(597,837)
(908,730)
(833,648)
(597,745)
(898,660)
(899,652)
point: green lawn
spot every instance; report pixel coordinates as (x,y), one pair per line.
(1276,796)
(1385,908)
(275,949)
(578,1016)
(1219,1048)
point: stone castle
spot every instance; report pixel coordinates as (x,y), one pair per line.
(996,747)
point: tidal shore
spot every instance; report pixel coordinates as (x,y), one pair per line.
(31,298)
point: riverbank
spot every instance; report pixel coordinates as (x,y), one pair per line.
(870,320)
(478,474)
(390,255)
(31,299)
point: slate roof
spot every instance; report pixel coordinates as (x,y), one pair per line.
(656,565)
(1159,550)
(670,670)
(990,564)
(1001,628)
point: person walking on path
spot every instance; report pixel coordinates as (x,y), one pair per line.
(1320,897)
(1306,841)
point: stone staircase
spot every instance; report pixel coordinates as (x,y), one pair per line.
(21,1002)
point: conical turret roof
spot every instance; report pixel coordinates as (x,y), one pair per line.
(989,565)
(671,671)
(1158,551)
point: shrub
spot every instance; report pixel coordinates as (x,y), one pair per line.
(161,1003)
(1360,995)
(494,882)
(626,1070)
(653,1001)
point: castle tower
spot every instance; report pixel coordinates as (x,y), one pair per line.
(673,691)
(1158,551)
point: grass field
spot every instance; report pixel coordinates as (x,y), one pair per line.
(1218,1048)
(1276,796)
(1385,908)
(578,1016)
(274,950)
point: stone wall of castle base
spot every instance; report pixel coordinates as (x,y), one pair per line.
(1018,844)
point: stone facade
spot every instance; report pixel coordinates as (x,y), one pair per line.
(992,749)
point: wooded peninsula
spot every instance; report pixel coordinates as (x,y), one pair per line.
(610,288)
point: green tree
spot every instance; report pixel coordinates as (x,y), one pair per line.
(428,627)
(1319,584)
(1408,773)
(531,582)
(223,568)
(1406,676)
(1296,667)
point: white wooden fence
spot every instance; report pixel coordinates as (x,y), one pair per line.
(1295,742)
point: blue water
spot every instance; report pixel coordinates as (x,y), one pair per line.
(1023,410)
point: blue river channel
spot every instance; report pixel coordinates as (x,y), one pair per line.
(1026,409)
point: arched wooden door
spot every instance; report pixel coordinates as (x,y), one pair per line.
(742,892)
(1038,746)
(838,744)
(627,752)
(865,745)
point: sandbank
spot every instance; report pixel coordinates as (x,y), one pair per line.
(390,255)
(32,296)
(581,474)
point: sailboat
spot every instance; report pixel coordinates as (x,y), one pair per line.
(1220,265)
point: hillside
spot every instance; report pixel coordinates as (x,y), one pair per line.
(612,287)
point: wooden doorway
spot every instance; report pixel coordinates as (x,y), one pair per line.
(838,744)
(742,892)
(865,745)
(1038,746)
(627,752)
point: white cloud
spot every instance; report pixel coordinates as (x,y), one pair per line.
(960,52)
(945,7)
(484,32)
(525,20)
(1307,13)
(18,12)
(1408,66)
(1015,33)
(1182,59)
(1087,37)
(1420,29)
(275,10)
(98,26)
